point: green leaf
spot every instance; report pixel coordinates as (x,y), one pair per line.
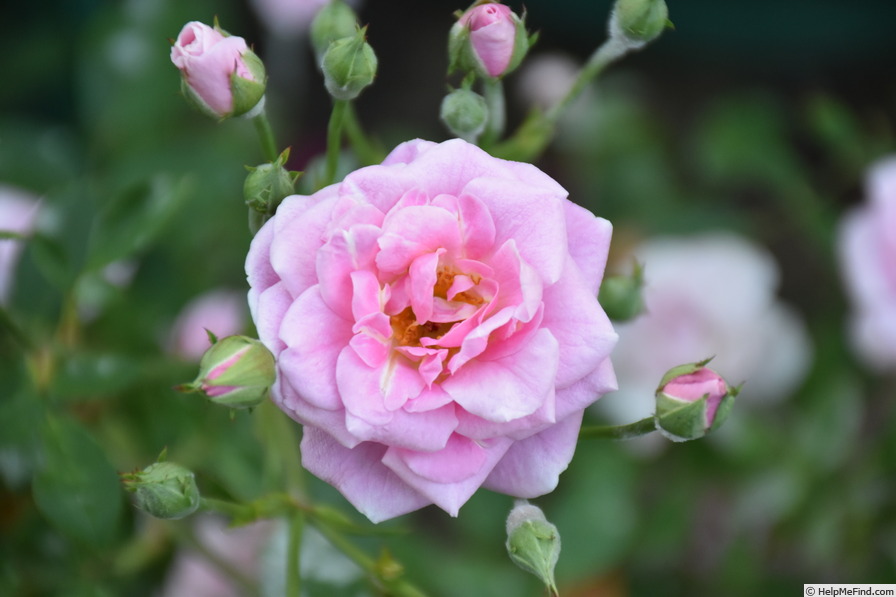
(134,219)
(76,488)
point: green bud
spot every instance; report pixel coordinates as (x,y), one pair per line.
(268,184)
(622,296)
(691,401)
(334,21)
(638,22)
(349,66)
(236,371)
(464,113)
(533,543)
(164,490)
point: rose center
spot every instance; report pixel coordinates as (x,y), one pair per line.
(405,329)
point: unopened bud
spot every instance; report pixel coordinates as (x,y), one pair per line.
(464,113)
(349,66)
(488,39)
(334,21)
(533,543)
(236,371)
(220,75)
(692,400)
(268,184)
(622,296)
(164,490)
(638,22)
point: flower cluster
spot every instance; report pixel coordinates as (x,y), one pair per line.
(436,326)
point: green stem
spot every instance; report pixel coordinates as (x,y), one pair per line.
(293,554)
(266,136)
(229,509)
(494,100)
(398,588)
(534,134)
(609,52)
(638,428)
(366,151)
(334,140)
(282,465)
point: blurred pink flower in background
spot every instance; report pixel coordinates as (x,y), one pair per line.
(240,549)
(435,325)
(708,296)
(18,214)
(868,260)
(287,18)
(222,312)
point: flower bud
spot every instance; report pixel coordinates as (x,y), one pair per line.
(533,543)
(488,39)
(268,184)
(349,66)
(220,75)
(334,21)
(464,113)
(236,371)
(691,401)
(163,490)
(622,296)
(638,22)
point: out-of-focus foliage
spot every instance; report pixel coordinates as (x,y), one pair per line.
(141,210)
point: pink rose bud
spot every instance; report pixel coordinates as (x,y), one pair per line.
(220,74)
(488,39)
(692,400)
(236,371)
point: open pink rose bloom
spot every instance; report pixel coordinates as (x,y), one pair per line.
(435,325)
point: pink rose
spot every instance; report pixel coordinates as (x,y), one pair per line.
(220,74)
(435,326)
(868,260)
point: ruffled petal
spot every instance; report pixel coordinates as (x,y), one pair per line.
(360,476)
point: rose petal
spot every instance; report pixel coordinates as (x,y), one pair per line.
(579,324)
(450,476)
(508,388)
(532,467)
(426,431)
(360,476)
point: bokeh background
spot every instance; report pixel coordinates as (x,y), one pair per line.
(752,119)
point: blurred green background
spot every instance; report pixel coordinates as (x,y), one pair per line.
(756,117)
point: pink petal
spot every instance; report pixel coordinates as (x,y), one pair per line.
(533,216)
(450,476)
(420,282)
(589,243)
(478,428)
(427,431)
(446,168)
(579,324)
(532,467)
(360,476)
(291,403)
(259,272)
(345,252)
(315,336)
(508,388)
(408,151)
(586,391)
(269,308)
(298,234)
(374,394)
(413,231)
